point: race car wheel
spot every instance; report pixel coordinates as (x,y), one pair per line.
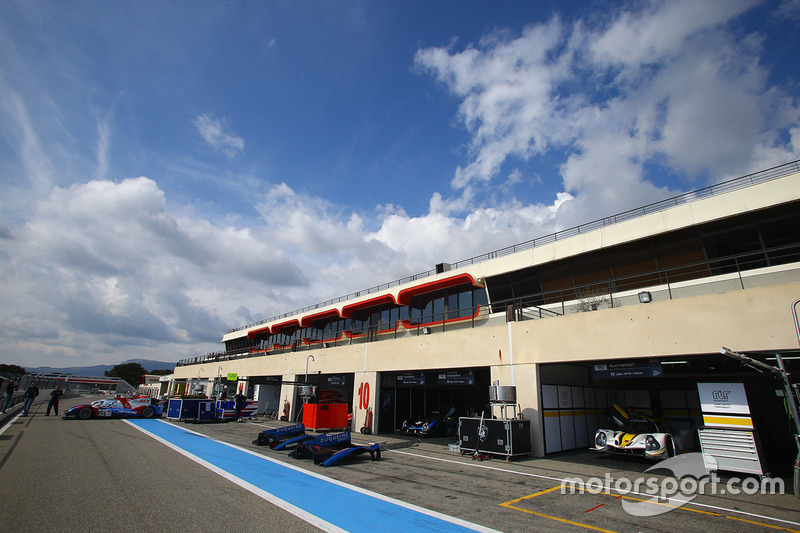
(85,413)
(148,412)
(670,448)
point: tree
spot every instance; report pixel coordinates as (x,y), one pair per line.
(130,372)
(12,369)
(163,372)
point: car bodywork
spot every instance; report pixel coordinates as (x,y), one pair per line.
(636,435)
(330,449)
(139,407)
(437,424)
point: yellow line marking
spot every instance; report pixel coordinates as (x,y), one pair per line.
(563,520)
(762,524)
(533,495)
(509,505)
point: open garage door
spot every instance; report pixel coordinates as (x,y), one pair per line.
(418,393)
(575,398)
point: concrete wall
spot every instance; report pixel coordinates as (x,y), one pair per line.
(743,320)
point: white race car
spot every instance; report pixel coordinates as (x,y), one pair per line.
(640,436)
(138,407)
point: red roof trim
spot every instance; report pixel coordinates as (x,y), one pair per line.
(308,319)
(408,325)
(404,296)
(348,310)
(253,333)
(276,328)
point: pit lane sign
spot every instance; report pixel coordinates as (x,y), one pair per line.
(628,369)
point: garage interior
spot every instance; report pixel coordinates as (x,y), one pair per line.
(408,394)
(575,397)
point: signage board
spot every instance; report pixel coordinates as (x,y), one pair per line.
(628,369)
(335,380)
(723,398)
(233,376)
(411,378)
(724,405)
(457,377)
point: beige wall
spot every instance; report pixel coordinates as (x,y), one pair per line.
(743,320)
(703,210)
(758,318)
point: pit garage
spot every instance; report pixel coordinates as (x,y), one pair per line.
(326,388)
(417,393)
(576,397)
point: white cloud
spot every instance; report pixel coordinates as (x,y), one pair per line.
(111,267)
(215,133)
(107,263)
(665,83)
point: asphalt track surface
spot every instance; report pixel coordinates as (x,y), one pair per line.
(157,475)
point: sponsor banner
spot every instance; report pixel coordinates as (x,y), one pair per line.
(327,440)
(628,369)
(296,428)
(723,398)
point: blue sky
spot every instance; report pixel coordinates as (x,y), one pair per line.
(170,170)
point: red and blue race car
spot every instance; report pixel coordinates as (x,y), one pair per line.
(139,407)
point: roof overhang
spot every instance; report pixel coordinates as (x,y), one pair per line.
(253,333)
(307,320)
(348,310)
(276,328)
(405,295)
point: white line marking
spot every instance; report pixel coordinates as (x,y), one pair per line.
(7,424)
(284,505)
(560,480)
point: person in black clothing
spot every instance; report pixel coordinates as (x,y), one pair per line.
(239,399)
(30,394)
(10,387)
(54,397)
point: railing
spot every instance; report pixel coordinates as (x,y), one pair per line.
(615,292)
(707,192)
(689,278)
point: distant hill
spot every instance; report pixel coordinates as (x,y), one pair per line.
(100,370)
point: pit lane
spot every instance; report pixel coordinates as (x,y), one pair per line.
(518,496)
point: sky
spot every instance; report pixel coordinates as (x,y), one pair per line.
(171,170)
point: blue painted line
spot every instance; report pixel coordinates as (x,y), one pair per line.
(343,506)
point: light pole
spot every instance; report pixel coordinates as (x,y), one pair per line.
(197,385)
(307,358)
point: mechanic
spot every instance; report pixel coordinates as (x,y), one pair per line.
(54,397)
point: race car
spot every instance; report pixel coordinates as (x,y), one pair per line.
(437,424)
(139,407)
(640,436)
